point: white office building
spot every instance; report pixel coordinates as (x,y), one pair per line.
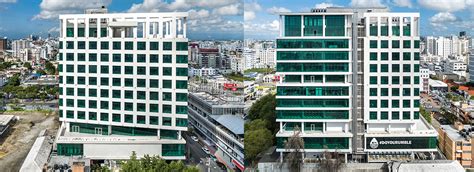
(351,84)
(123,85)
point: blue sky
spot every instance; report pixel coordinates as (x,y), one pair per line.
(208,19)
(227,19)
(438,17)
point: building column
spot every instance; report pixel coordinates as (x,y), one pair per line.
(99,34)
(281,127)
(324,127)
(281,157)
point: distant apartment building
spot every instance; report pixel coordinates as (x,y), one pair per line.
(202,72)
(20,45)
(3,44)
(265,58)
(456,143)
(471,66)
(123,85)
(219,117)
(457,67)
(424,77)
(209,57)
(351,83)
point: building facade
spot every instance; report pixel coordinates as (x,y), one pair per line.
(123,85)
(351,83)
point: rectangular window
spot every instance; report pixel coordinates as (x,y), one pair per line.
(81,45)
(92,104)
(395,92)
(395,56)
(141,82)
(406,68)
(407,44)
(104,117)
(166,108)
(116,118)
(406,80)
(167,58)
(406,56)
(181,59)
(313,25)
(116,106)
(81,57)
(292,25)
(181,71)
(384,103)
(335,25)
(154,83)
(141,45)
(141,58)
(154,45)
(373,91)
(395,68)
(384,115)
(373,43)
(395,103)
(141,70)
(128,82)
(373,68)
(167,46)
(104,105)
(128,57)
(154,58)
(406,103)
(104,93)
(92,92)
(104,45)
(181,46)
(141,95)
(167,83)
(154,70)
(116,69)
(373,56)
(116,57)
(384,80)
(92,81)
(395,44)
(373,116)
(128,45)
(104,69)
(128,94)
(384,91)
(116,82)
(373,80)
(69,44)
(384,44)
(373,103)
(128,106)
(154,96)
(116,94)
(384,68)
(141,107)
(167,71)
(92,57)
(384,56)
(181,84)
(116,45)
(129,70)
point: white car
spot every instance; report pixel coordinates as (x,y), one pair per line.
(194,138)
(206,150)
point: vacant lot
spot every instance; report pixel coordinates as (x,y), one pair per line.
(22,136)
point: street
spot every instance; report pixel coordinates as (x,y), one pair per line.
(198,156)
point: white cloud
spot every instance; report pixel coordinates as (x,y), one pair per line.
(443,19)
(54,30)
(249,15)
(446,5)
(366,3)
(232,9)
(160,5)
(51,9)
(275,10)
(252,6)
(193,14)
(269,29)
(325,5)
(403,3)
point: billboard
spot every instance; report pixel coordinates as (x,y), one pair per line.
(374,143)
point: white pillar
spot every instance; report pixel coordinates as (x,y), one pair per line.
(184,26)
(64,32)
(160,27)
(99,34)
(86,28)
(75,28)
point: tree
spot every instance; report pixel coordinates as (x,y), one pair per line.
(155,163)
(257,139)
(50,69)
(27,65)
(454,88)
(131,165)
(295,146)
(264,108)
(331,162)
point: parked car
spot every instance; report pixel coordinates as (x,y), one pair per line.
(194,138)
(206,150)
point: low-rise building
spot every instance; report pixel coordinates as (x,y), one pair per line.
(5,124)
(437,85)
(456,143)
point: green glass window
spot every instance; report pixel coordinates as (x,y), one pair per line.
(141,82)
(406,92)
(395,68)
(69,44)
(406,103)
(395,115)
(312,103)
(70,91)
(81,80)
(103,32)
(104,116)
(140,119)
(104,105)
(154,107)
(81,92)
(69,32)
(406,30)
(395,56)
(116,93)
(167,58)
(416,103)
(81,45)
(384,91)
(384,44)
(181,109)
(416,67)
(167,71)
(181,97)
(166,96)
(69,56)
(104,69)
(395,44)
(416,91)
(166,121)
(416,115)
(116,118)
(166,108)
(69,114)
(167,83)
(305,55)
(395,103)
(116,82)
(181,122)
(104,57)
(104,93)
(141,70)
(116,45)
(384,67)
(81,57)
(384,30)
(417,44)
(69,80)
(116,69)
(92,45)
(395,92)
(92,57)
(181,46)
(154,120)
(129,70)
(406,68)
(384,56)
(92,116)
(92,32)
(311,67)
(395,80)
(81,32)
(396,30)
(116,57)
(373,30)
(92,81)
(384,103)
(92,92)
(373,91)
(373,116)
(154,70)
(141,45)
(129,118)
(128,57)
(154,45)
(69,68)
(128,94)
(154,58)
(373,43)
(384,80)
(141,58)
(116,106)
(312,43)
(417,80)
(373,68)
(292,25)
(373,103)
(141,107)
(92,104)
(181,71)
(406,44)
(373,56)
(104,45)
(128,82)
(128,107)
(373,80)
(167,46)
(416,56)
(141,95)
(384,115)
(154,83)
(313,25)
(335,25)
(154,96)
(128,45)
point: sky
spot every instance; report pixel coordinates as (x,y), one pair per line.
(227,19)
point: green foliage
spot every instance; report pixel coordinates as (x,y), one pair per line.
(257,139)
(453,97)
(154,163)
(27,65)
(260,70)
(238,77)
(50,69)
(260,131)
(425,114)
(454,88)
(40,71)
(5,65)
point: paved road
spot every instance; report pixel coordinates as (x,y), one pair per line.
(198,156)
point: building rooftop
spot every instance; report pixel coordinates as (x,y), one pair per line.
(5,119)
(437,83)
(453,133)
(232,122)
(218,99)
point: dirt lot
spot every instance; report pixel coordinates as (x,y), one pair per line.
(16,146)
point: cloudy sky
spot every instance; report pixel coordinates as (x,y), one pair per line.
(227,19)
